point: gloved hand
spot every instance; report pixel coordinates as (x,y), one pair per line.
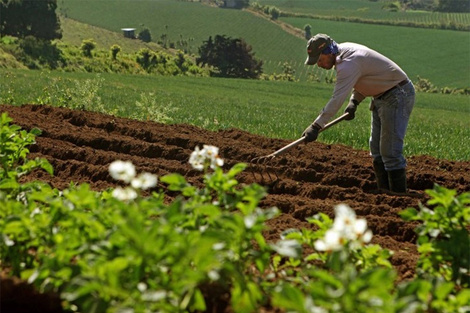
(351,109)
(311,133)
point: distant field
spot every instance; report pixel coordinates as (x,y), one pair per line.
(194,23)
(365,9)
(75,32)
(439,123)
(414,49)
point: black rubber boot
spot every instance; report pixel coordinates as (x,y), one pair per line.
(397,180)
(381,175)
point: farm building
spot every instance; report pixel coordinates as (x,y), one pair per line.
(128,32)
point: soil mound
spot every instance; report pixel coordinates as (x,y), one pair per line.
(313,178)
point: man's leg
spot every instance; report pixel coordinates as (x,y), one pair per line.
(394,113)
(381,175)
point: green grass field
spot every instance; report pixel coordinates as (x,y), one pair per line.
(413,49)
(365,9)
(439,124)
(191,22)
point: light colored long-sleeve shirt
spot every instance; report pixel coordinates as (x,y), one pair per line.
(364,71)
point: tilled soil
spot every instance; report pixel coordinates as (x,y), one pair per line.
(312,178)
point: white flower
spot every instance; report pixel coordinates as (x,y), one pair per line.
(331,242)
(124,194)
(290,248)
(154,296)
(208,156)
(8,241)
(367,236)
(218,246)
(213,275)
(142,286)
(197,159)
(122,170)
(250,220)
(345,218)
(212,153)
(350,227)
(35,212)
(144,181)
(346,228)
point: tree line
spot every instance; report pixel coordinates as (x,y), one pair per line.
(21,18)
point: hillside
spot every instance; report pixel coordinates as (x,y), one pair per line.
(188,24)
(74,32)
(8,61)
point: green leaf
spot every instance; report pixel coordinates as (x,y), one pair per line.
(197,302)
(463,298)
(443,290)
(9,184)
(45,165)
(35,131)
(409,214)
(236,169)
(290,298)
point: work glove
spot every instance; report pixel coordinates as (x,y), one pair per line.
(351,109)
(311,133)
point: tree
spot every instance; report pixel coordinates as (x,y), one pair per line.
(145,35)
(115,49)
(21,18)
(454,6)
(236,4)
(87,46)
(145,57)
(229,58)
(308,31)
(274,12)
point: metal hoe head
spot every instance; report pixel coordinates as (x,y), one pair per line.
(265,161)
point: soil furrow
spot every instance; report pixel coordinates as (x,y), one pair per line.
(311,178)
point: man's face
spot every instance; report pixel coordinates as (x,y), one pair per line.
(326,61)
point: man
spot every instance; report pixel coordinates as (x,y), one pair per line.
(368,73)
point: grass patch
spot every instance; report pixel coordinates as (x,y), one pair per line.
(367,10)
(408,47)
(438,126)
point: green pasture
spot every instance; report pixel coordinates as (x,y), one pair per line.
(418,51)
(441,56)
(191,22)
(439,125)
(366,9)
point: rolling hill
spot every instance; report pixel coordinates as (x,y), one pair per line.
(187,25)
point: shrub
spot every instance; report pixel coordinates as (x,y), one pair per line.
(87,46)
(115,49)
(232,58)
(444,239)
(145,35)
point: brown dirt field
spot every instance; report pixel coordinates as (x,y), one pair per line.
(313,178)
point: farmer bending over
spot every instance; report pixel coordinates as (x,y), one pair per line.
(368,74)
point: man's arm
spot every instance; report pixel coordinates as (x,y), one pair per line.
(346,78)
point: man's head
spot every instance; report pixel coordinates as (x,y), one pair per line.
(318,44)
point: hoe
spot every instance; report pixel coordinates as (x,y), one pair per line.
(264,161)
